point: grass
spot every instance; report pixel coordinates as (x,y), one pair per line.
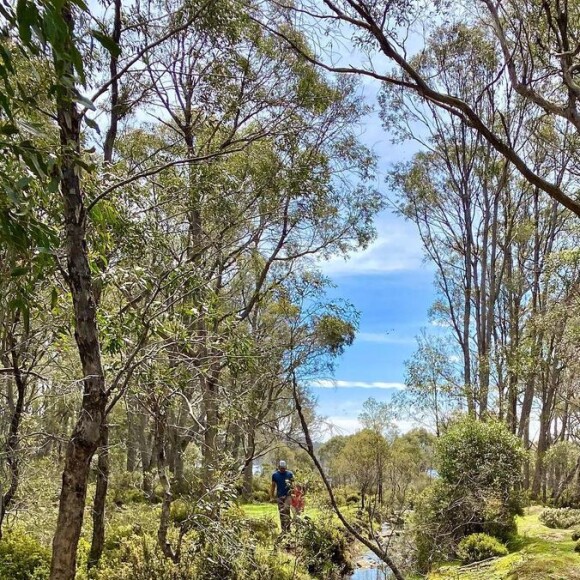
(260,510)
(540,553)
(270,511)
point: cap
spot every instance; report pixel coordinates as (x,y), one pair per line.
(282,464)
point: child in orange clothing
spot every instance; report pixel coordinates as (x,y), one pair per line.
(297,503)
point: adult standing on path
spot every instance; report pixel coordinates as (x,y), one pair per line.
(282,486)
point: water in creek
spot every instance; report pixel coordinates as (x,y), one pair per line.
(369,566)
(372,569)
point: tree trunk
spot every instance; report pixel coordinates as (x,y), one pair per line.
(98,539)
(13,440)
(248,488)
(87,431)
(132,440)
(210,402)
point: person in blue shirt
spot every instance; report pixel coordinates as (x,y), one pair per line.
(282,486)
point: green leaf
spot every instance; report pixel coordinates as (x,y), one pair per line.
(30,128)
(85,101)
(107,42)
(7,58)
(8,130)
(81,5)
(53,298)
(19,271)
(26,17)
(52,187)
(92,124)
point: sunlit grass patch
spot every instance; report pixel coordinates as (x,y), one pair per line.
(538,553)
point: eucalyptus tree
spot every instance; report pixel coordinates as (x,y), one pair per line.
(246,221)
(433,387)
(455,191)
(25,331)
(49,32)
(541,72)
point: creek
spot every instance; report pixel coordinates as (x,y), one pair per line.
(372,570)
(369,566)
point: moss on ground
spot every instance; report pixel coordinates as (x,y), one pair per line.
(538,553)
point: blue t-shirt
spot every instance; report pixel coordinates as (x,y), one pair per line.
(281,481)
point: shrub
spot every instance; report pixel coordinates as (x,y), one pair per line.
(562,518)
(480,455)
(477,547)
(139,558)
(117,534)
(479,466)
(353,498)
(180,511)
(23,558)
(261,496)
(577,546)
(126,489)
(576,535)
(273,566)
(263,529)
(322,548)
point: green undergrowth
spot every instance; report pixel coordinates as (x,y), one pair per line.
(270,510)
(537,553)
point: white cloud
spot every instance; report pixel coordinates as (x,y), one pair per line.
(383,337)
(343,425)
(331,384)
(440,323)
(397,248)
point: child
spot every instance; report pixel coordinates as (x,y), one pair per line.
(297,503)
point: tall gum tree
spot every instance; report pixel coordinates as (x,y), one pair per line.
(542,72)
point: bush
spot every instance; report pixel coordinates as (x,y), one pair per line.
(139,558)
(577,546)
(181,511)
(480,455)
(353,498)
(562,518)
(322,548)
(576,535)
(263,529)
(261,496)
(479,547)
(126,489)
(23,558)
(479,466)
(117,534)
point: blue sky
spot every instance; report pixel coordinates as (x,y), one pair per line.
(391,286)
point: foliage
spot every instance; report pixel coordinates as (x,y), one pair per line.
(126,489)
(561,518)
(479,466)
(260,496)
(22,557)
(323,548)
(477,547)
(232,548)
(334,333)
(474,454)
